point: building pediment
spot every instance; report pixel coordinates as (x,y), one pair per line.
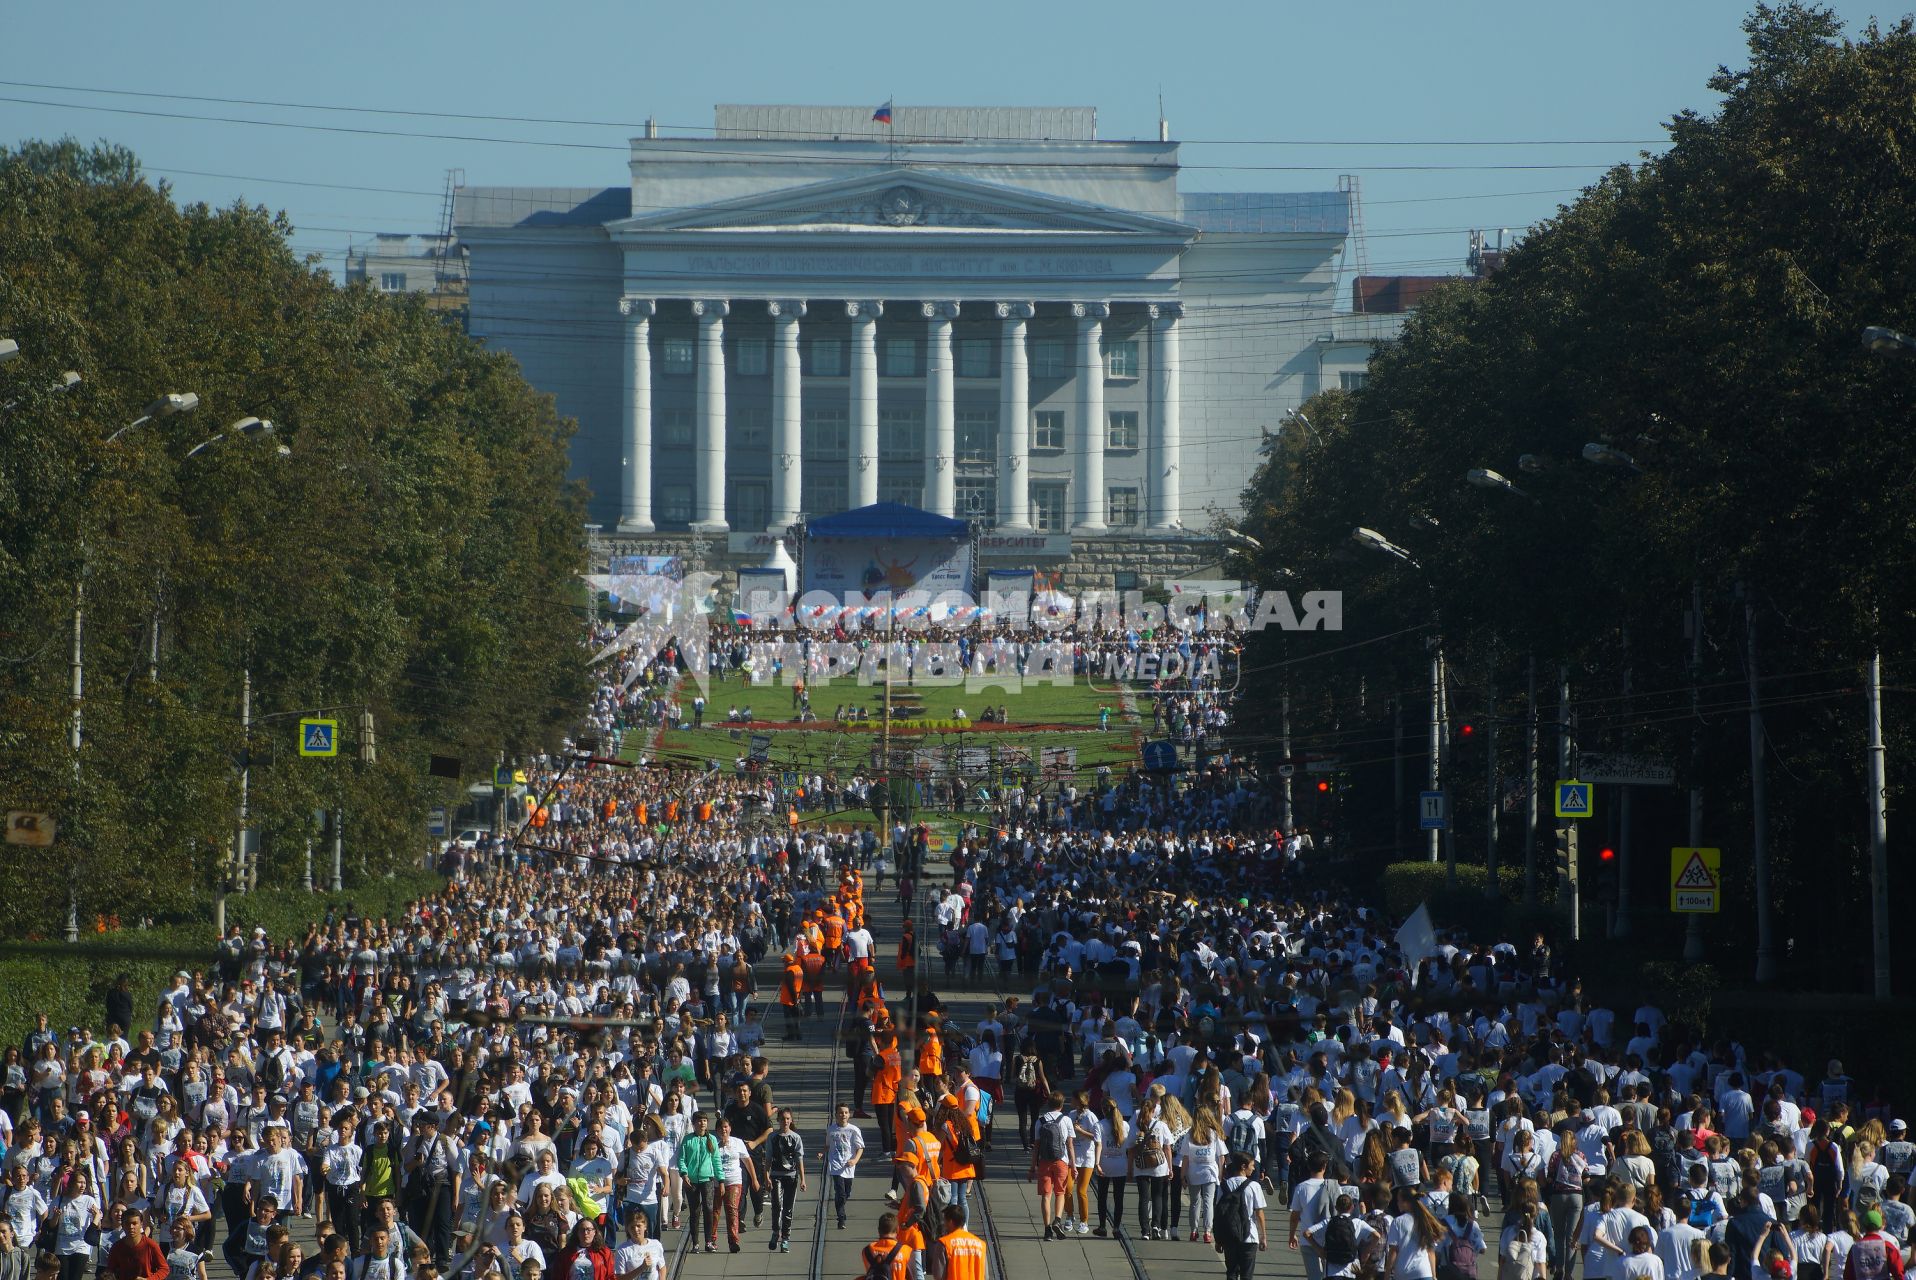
(903,201)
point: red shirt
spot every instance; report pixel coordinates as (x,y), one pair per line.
(142,1261)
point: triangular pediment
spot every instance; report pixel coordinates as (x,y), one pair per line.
(904,201)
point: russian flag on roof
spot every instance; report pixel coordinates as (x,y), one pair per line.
(883,114)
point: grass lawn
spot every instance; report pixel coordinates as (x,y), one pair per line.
(826,745)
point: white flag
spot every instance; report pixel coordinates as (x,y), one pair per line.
(1417,940)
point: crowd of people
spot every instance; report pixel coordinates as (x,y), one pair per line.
(566,1055)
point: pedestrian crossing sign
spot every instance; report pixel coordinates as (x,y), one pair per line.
(1575,800)
(319,737)
(1696,880)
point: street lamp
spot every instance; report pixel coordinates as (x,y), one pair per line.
(243,429)
(1373,541)
(1614,459)
(1484,478)
(9,350)
(1884,341)
(166,406)
(1243,540)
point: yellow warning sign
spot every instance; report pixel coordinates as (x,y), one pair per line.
(1696,880)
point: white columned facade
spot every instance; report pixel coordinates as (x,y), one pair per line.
(636,503)
(1165,442)
(1087,462)
(941,421)
(787,439)
(864,438)
(1014,418)
(708,514)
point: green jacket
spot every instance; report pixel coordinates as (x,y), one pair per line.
(699,1159)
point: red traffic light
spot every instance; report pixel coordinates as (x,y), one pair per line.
(1323,785)
(1467,730)
(1607,854)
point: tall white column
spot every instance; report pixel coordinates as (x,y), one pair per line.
(1166,512)
(709,512)
(635,515)
(864,450)
(941,420)
(787,473)
(1014,418)
(1087,460)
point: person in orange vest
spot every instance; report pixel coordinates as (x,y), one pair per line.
(813,962)
(907,1118)
(884,1088)
(954,1124)
(963,1253)
(931,1049)
(907,954)
(814,931)
(834,933)
(791,989)
(918,1155)
(890,1246)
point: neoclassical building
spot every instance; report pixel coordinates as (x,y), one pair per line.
(989,313)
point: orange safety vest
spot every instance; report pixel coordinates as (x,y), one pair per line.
(834,931)
(931,1055)
(705,811)
(885,1079)
(948,1166)
(793,986)
(964,1255)
(878,1250)
(672,811)
(638,811)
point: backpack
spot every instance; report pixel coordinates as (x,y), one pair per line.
(965,1149)
(1869,1259)
(1826,1165)
(1050,1141)
(1148,1151)
(1463,1172)
(1518,1259)
(1340,1242)
(1663,1154)
(1233,1216)
(985,1108)
(877,1268)
(1703,1214)
(1027,1073)
(1461,1254)
(1241,1137)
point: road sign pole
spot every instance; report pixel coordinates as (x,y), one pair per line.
(1530,781)
(1567,831)
(1286,778)
(1759,808)
(1693,929)
(1878,829)
(1491,798)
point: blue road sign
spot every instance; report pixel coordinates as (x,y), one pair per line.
(1575,799)
(1433,810)
(319,737)
(1161,756)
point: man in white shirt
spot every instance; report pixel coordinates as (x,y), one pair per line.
(1311,1204)
(1240,1256)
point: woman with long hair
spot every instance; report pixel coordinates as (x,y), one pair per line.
(1413,1240)
(1178,1121)
(1201,1159)
(585,1247)
(1083,1158)
(1150,1165)
(1373,1160)
(1114,1142)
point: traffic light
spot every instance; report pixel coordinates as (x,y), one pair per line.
(1607,874)
(1323,786)
(1607,855)
(1466,730)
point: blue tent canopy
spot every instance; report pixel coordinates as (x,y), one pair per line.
(886,520)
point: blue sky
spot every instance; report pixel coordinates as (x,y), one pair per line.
(1276,74)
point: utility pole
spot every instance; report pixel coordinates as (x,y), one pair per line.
(1491,798)
(73,737)
(1759,805)
(246,770)
(1285,778)
(339,850)
(1397,772)
(1878,828)
(1436,734)
(1693,928)
(1625,808)
(1530,785)
(1443,742)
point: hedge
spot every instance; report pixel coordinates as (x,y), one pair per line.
(1465,905)
(69,981)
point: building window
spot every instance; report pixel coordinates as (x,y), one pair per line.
(901,358)
(1047,358)
(678,357)
(828,358)
(675,503)
(1121,508)
(674,429)
(974,498)
(1047,507)
(974,357)
(1121,358)
(977,436)
(909,490)
(1353,381)
(1121,429)
(749,358)
(748,429)
(751,504)
(392,281)
(822,494)
(1047,429)
(824,434)
(901,434)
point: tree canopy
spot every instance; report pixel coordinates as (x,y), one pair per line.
(1700,312)
(411,554)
